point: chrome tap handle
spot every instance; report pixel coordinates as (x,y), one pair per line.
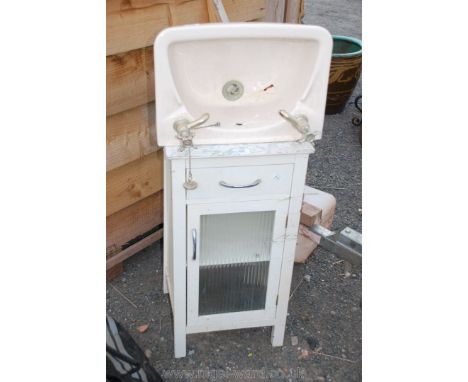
(288,117)
(184,127)
(299,122)
(198,122)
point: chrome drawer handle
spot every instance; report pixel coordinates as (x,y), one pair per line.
(253,184)
(194,241)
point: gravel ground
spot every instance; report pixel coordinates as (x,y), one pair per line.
(324,313)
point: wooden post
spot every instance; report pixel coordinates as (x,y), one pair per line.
(293,12)
(274,11)
(216,11)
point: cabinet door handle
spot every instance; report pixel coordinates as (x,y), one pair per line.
(253,184)
(194,240)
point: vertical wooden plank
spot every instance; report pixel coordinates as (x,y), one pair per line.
(216,11)
(293,11)
(274,11)
(297,190)
(212,14)
(237,10)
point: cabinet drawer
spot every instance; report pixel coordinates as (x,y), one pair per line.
(242,182)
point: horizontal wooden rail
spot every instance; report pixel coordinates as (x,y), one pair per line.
(130,135)
(134,161)
(130,251)
(125,225)
(132,25)
(129,80)
(133,182)
(135,24)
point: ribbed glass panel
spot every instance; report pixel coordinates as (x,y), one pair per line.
(233,287)
(234,261)
(236,238)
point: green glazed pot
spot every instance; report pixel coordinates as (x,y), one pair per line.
(345,71)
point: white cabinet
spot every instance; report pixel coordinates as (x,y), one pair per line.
(229,243)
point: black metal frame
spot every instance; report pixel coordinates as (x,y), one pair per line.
(357,121)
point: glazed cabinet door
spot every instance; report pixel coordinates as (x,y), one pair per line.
(234,254)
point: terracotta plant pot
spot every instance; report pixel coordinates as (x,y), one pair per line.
(345,71)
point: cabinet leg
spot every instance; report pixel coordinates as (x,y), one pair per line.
(179,343)
(277,333)
(165,290)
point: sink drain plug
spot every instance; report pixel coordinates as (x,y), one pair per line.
(233,90)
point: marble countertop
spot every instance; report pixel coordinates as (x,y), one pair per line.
(239,150)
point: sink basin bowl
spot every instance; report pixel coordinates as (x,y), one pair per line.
(242,74)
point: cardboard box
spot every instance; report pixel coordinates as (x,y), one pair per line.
(318,207)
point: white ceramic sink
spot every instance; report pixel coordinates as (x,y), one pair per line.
(242,74)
